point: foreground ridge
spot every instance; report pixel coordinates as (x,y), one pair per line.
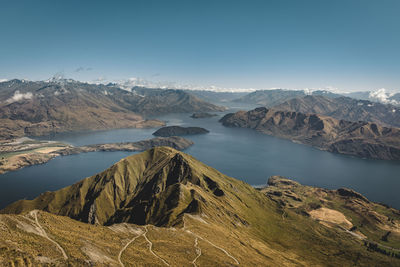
(163,207)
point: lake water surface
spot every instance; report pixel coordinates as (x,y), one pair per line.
(241,153)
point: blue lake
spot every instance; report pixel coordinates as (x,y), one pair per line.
(241,153)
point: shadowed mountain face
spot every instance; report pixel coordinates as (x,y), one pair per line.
(154,187)
(41,108)
(345,108)
(362,139)
(217,221)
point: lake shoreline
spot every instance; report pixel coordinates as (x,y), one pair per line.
(40,152)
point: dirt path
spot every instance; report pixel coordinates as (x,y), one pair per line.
(151,246)
(123,249)
(44,234)
(211,243)
(198,251)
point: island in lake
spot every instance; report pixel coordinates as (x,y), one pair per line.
(178,131)
(202,115)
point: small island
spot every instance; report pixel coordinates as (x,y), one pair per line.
(202,115)
(178,131)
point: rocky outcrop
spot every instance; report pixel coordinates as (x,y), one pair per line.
(345,192)
(343,208)
(178,131)
(361,139)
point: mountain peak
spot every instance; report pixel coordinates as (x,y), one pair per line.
(154,187)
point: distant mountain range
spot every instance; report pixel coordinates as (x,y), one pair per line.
(47,107)
(380,96)
(269,98)
(164,207)
(345,108)
(216,97)
(361,139)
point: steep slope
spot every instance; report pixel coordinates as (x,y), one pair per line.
(345,108)
(47,107)
(362,139)
(218,221)
(155,186)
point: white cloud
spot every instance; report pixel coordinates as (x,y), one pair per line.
(19,96)
(382,96)
(100,80)
(140,82)
(3,80)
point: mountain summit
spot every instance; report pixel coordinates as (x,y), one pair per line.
(154,187)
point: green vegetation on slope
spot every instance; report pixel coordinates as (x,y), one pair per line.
(232,222)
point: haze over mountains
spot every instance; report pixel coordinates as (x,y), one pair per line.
(269,98)
(212,93)
(345,108)
(273,97)
(47,107)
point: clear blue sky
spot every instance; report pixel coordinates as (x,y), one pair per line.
(349,44)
